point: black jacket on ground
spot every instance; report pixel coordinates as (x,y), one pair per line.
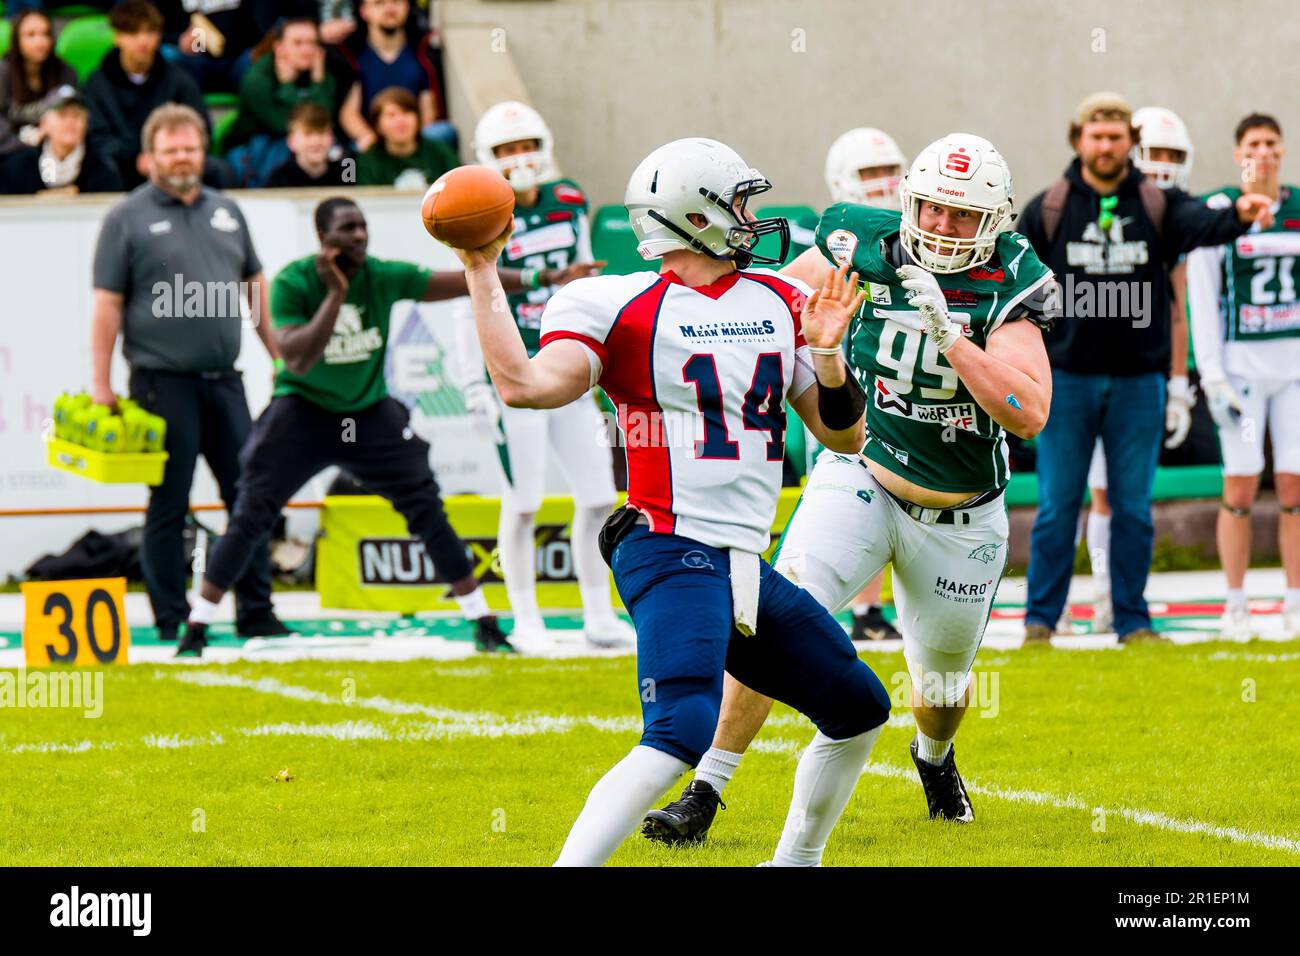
(1126,268)
(118,108)
(20,173)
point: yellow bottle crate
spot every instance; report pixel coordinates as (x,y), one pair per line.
(116,468)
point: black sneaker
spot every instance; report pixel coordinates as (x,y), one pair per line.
(262,625)
(872,626)
(489,637)
(195,639)
(687,819)
(944,791)
(168,632)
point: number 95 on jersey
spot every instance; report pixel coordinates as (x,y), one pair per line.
(75,622)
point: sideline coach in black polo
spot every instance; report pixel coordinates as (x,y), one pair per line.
(173,265)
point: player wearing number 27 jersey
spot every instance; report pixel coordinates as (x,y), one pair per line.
(698,359)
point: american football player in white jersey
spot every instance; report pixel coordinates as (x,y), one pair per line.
(698,358)
(1164,155)
(551,242)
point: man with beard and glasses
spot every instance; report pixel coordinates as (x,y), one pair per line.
(167,239)
(1110,235)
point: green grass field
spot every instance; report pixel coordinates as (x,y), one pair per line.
(1160,755)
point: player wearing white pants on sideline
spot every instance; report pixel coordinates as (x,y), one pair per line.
(847,527)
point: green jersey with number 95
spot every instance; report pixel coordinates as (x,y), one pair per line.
(551,234)
(1261,272)
(922,422)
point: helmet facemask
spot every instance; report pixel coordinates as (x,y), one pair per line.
(729,228)
(1163,173)
(525,171)
(880,192)
(952,254)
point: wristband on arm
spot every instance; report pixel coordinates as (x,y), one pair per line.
(841,406)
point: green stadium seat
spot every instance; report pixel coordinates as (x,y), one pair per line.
(73,11)
(612,239)
(1182,483)
(220,129)
(221,101)
(83,43)
(6,34)
(770,245)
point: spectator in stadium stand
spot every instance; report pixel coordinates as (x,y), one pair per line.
(211,39)
(155,248)
(63,165)
(394,51)
(311,141)
(1110,235)
(401,157)
(130,83)
(288,69)
(29,73)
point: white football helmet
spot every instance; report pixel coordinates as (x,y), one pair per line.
(1159,128)
(509,122)
(860,149)
(967,172)
(705,177)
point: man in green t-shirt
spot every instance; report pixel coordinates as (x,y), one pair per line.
(331,406)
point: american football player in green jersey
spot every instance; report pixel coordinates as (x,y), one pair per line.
(551,243)
(948,343)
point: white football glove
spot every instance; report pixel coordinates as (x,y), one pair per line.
(484,410)
(924,295)
(1178,410)
(1224,403)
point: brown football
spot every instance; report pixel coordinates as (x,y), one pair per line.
(467,207)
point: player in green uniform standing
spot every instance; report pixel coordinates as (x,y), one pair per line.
(949,345)
(1246,334)
(331,406)
(550,232)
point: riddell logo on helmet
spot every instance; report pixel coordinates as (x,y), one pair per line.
(950,192)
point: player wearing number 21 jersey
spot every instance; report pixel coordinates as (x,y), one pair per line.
(698,358)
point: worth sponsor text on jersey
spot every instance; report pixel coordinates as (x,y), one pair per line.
(956,414)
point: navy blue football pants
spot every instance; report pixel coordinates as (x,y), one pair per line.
(679,594)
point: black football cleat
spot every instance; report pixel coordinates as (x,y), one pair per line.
(195,639)
(944,791)
(488,637)
(262,625)
(687,819)
(872,626)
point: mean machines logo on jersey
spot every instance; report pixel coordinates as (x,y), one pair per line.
(739,332)
(956,414)
(351,341)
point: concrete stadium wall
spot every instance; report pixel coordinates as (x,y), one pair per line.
(779,80)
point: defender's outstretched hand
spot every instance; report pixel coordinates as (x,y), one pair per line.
(828,311)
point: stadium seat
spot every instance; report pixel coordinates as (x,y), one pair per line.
(612,239)
(221,101)
(83,43)
(73,11)
(768,245)
(220,128)
(6,32)
(1175,483)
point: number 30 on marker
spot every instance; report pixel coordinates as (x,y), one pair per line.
(75,622)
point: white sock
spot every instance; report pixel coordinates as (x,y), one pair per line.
(1292,600)
(203,611)
(473,605)
(1236,599)
(617,803)
(823,782)
(523,604)
(716,767)
(931,750)
(589,566)
(1099,546)
(516,533)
